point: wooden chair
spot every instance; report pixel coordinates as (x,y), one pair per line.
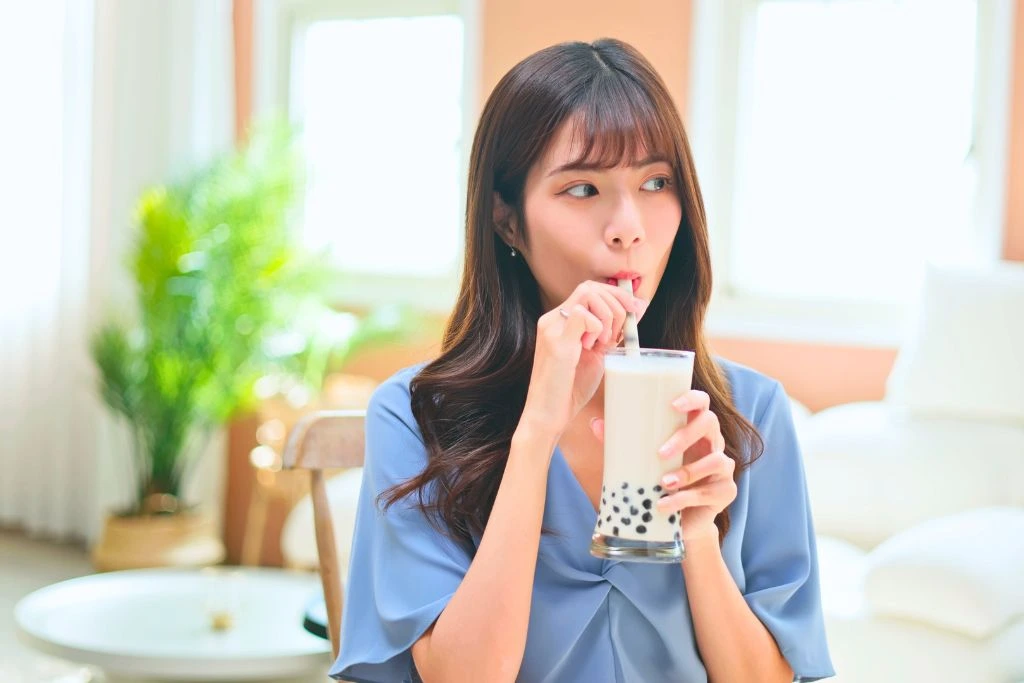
(326,440)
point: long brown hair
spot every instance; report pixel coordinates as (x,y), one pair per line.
(469,400)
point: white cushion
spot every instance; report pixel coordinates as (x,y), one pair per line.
(965,356)
(799,411)
(963,572)
(298,536)
(873,470)
(841,568)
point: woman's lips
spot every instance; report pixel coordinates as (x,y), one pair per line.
(635,278)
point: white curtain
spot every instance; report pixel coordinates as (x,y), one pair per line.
(102,99)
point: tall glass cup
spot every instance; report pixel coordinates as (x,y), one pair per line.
(639,388)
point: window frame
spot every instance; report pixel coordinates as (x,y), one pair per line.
(722,36)
(278,25)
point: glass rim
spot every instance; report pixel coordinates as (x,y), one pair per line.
(649,353)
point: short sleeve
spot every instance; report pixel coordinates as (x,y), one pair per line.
(779,553)
(402,571)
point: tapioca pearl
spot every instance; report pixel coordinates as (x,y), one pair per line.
(657,488)
(641,529)
(647,503)
(640,491)
(676,536)
(672,518)
(625,499)
(608,518)
(647,517)
(626,521)
(615,509)
(625,485)
(634,511)
(599,523)
(604,502)
(613,494)
(615,531)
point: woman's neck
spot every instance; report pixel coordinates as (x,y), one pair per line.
(593,408)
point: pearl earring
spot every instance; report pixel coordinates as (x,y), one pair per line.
(513,252)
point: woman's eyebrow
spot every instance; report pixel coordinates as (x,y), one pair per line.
(583,165)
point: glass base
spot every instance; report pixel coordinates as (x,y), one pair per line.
(615,548)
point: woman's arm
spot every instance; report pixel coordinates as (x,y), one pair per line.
(733,643)
(481,634)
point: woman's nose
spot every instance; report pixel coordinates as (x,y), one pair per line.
(625,229)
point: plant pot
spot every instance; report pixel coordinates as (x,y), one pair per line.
(183,539)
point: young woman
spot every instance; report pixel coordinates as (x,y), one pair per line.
(483,468)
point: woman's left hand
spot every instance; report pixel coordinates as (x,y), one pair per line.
(704,485)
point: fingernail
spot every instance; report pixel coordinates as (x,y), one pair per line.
(666,449)
(669,480)
(640,305)
(593,421)
(680,403)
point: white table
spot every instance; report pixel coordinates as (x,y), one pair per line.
(158,624)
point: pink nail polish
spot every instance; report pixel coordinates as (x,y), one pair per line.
(669,480)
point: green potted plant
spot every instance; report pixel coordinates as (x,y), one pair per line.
(218,273)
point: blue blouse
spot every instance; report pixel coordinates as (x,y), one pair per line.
(591,620)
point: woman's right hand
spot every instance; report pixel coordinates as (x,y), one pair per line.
(568,361)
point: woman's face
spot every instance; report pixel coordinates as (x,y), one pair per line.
(597,224)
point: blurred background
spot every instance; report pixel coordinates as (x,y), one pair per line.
(224,215)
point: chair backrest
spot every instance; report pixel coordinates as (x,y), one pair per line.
(327,440)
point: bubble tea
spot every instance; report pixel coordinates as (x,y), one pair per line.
(639,387)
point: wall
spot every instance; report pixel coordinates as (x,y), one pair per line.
(818,375)
(513,30)
(1013,244)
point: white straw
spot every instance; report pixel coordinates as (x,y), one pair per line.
(632,337)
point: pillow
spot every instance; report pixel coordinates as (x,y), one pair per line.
(962,572)
(842,578)
(965,356)
(873,470)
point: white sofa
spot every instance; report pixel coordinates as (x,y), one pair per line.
(919,499)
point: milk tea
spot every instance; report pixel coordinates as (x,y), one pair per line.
(638,391)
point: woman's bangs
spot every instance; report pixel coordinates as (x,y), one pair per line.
(616,124)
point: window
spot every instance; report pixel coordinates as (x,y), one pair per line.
(844,144)
(33,139)
(379,90)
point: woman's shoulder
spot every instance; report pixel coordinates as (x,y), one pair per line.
(753,393)
(394,396)
(394,444)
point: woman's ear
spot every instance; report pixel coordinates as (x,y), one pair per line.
(504,220)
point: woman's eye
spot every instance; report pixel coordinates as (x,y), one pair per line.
(582,190)
(655,184)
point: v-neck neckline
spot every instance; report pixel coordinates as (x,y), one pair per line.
(582,513)
(579,493)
